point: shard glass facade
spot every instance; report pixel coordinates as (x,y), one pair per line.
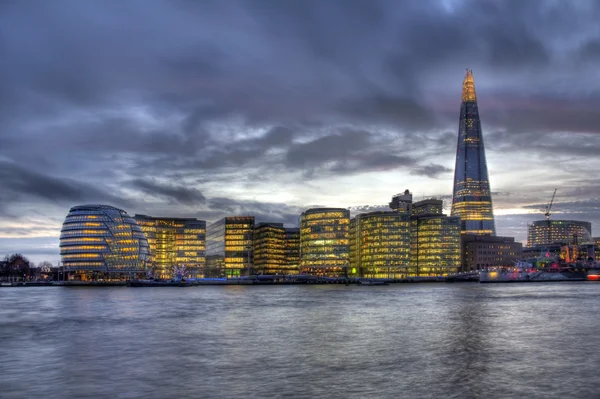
(472,198)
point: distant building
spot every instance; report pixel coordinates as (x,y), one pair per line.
(175,242)
(101,241)
(547,232)
(276,249)
(472,198)
(480,251)
(292,250)
(380,244)
(402,202)
(269,248)
(596,248)
(428,207)
(229,246)
(325,241)
(434,240)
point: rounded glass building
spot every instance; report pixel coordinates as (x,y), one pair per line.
(102,241)
(325,241)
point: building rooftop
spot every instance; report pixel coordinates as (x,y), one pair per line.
(468,91)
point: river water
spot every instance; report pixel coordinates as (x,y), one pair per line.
(463,340)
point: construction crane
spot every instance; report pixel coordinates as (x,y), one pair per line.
(549,206)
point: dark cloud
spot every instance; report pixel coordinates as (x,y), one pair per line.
(590,51)
(328,148)
(345,152)
(262,211)
(20,184)
(176,194)
(210,105)
(432,170)
(385,109)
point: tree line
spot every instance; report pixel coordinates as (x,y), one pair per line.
(17,267)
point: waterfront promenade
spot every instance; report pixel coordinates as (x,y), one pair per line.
(252,280)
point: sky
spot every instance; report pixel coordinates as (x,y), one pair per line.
(269,107)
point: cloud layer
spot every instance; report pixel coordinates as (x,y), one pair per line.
(266,107)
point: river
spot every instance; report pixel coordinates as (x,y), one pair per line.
(462,340)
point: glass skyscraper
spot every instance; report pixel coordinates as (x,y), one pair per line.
(472,198)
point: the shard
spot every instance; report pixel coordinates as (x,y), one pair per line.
(472,198)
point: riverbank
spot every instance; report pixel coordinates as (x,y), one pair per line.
(258,280)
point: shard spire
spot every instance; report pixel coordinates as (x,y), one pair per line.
(468,91)
(472,197)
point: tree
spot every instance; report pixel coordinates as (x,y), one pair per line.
(17,265)
(41,271)
(45,266)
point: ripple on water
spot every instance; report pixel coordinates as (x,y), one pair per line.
(430,340)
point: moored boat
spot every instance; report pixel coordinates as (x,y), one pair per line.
(593,275)
(542,269)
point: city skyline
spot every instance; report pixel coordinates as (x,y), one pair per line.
(269,109)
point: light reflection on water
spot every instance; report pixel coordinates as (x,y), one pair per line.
(428,340)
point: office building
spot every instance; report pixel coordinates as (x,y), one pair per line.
(472,198)
(480,252)
(429,206)
(402,202)
(292,250)
(269,248)
(101,241)
(547,232)
(229,246)
(325,242)
(276,249)
(434,240)
(175,242)
(380,244)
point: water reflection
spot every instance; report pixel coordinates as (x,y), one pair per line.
(438,340)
